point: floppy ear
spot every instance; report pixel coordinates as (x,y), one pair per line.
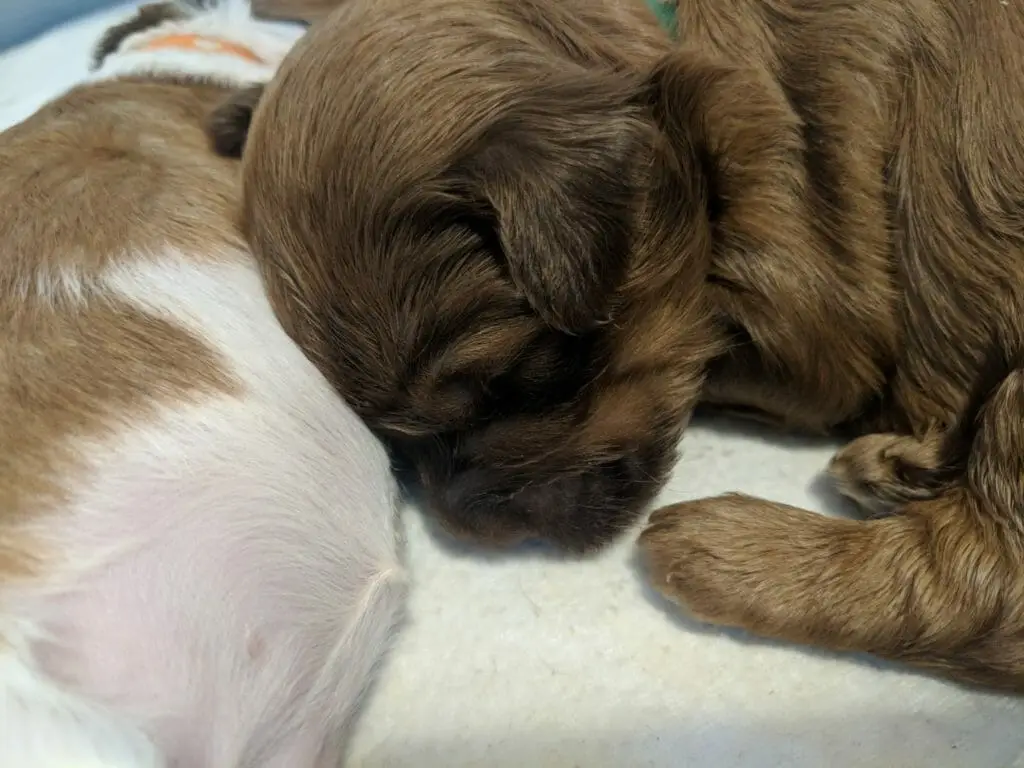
(563,172)
(228,124)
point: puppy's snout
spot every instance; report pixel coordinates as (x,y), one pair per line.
(575,511)
(471,505)
(573,504)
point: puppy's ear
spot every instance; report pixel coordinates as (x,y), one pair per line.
(562,172)
(228,124)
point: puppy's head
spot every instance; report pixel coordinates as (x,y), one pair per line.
(444,196)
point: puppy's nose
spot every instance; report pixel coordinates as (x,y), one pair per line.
(470,507)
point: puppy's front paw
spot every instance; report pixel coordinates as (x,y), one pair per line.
(711,557)
(885,471)
(740,561)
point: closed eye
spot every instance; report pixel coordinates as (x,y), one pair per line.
(486,352)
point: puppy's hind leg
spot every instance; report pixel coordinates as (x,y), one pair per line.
(939,585)
(882,472)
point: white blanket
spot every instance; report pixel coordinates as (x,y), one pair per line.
(528,661)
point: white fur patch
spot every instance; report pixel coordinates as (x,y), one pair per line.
(230,572)
(42,726)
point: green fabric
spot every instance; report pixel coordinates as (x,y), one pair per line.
(665,11)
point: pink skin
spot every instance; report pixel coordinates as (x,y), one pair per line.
(230,598)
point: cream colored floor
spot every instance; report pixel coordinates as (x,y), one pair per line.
(529,661)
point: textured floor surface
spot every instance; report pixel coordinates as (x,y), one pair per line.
(528,661)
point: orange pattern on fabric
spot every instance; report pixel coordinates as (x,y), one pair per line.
(200,43)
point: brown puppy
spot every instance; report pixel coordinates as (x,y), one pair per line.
(517,234)
(876,266)
(478,261)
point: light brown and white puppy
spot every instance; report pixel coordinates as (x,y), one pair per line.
(524,237)
(198,561)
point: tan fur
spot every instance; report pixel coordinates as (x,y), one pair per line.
(817,206)
(75,363)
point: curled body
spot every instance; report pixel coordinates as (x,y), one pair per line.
(574,227)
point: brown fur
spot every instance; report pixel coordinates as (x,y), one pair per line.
(518,240)
(910,170)
(458,292)
(91,181)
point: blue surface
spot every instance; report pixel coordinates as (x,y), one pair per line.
(21,20)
